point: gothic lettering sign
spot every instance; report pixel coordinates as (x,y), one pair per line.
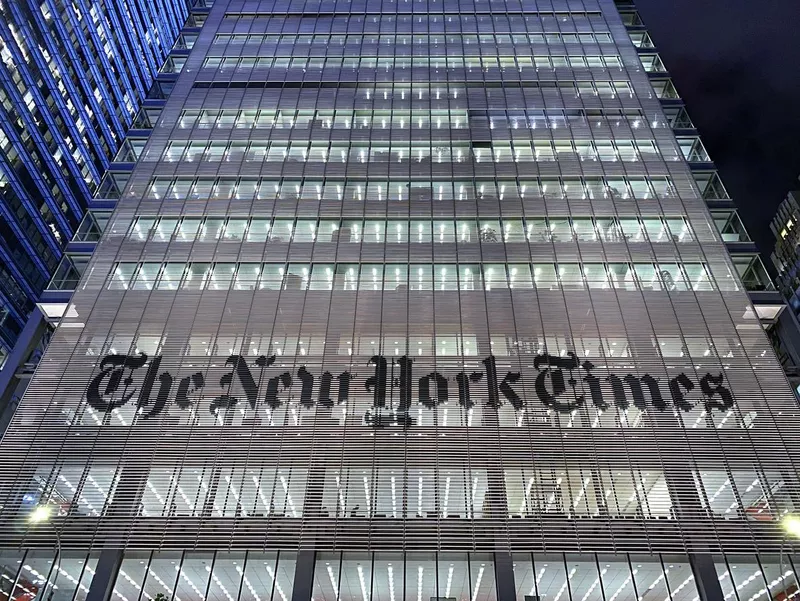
(560,384)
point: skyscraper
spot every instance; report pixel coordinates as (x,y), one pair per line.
(785,256)
(72,76)
(407,300)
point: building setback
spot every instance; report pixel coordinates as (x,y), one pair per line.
(407,301)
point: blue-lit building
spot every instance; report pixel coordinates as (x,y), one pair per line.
(73,76)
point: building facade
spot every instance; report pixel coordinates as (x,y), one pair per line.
(407,300)
(72,77)
(786,261)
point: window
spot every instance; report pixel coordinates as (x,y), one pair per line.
(197,274)
(359,191)
(145,276)
(170,277)
(374,231)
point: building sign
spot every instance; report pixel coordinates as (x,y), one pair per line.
(558,384)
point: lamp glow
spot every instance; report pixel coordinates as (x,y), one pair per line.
(42,514)
(791,524)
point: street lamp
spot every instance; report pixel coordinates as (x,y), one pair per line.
(40,515)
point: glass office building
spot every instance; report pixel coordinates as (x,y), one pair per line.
(72,76)
(407,300)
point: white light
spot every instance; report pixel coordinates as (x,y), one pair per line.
(366,494)
(235,494)
(594,585)
(526,498)
(248,584)
(563,586)
(680,587)
(333,582)
(190,583)
(622,586)
(478,582)
(278,584)
(538,580)
(289,498)
(362,583)
(449,581)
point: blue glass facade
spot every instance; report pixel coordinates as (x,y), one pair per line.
(73,74)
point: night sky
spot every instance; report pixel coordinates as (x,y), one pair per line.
(736,63)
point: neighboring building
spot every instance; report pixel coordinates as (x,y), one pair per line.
(73,74)
(407,301)
(785,227)
(786,259)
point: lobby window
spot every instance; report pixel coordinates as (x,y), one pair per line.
(411,576)
(744,577)
(596,577)
(251,576)
(32,574)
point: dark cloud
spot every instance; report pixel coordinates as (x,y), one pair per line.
(735,63)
